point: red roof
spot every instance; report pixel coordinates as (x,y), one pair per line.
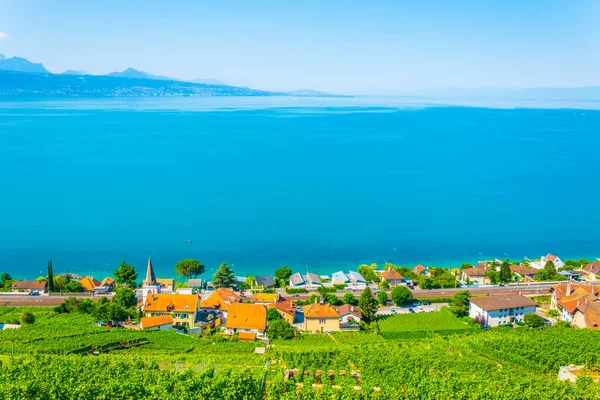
(550,257)
(348,309)
(391,275)
(31,285)
(593,267)
(152,322)
(418,269)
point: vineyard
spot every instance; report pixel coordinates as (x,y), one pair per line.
(63,356)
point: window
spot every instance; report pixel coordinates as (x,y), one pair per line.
(322,321)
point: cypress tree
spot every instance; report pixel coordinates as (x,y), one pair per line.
(50,277)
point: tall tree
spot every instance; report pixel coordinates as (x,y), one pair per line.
(283,273)
(401,294)
(550,269)
(505,274)
(349,299)
(367,304)
(50,277)
(125,297)
(224,277)
(126,274)
(189,268)
(382,298)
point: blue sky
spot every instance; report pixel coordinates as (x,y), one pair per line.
(338,46)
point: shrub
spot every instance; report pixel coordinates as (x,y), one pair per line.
(27,318)
(294,290)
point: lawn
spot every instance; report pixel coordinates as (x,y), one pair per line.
(396,326)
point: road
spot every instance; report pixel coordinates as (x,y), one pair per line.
(22,300)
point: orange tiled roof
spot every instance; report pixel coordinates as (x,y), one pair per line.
(266,298)
(320,311)
(247,316)
(171,302)
(593,267)
(523,270)
(287,307)
(247,336)
(591,315)
(348,309)
(560,289)
(89,283)
(35,285)
(222,298)
(550,257)
(391,274)
(151,322)
(578,297)
(418,269)
(480,270)
(108,281)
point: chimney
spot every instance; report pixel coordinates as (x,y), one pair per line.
(593,288)
(569,288)
(352,308)
(321,301)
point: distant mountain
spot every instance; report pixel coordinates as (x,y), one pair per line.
(74,72)
(18,85)
(135,74)
(21,65)
(209,81)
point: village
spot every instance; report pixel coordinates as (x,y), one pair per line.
(311,303)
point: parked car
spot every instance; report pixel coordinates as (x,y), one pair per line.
(34,293)
(299,309)
(420,309)
(411,310)
(426,303)
(394,311)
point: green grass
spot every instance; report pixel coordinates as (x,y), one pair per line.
(402,325)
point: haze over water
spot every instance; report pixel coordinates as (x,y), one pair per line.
(323,184)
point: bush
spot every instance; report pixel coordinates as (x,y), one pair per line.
(339,286)
(553,313)
(533,320)
(27,318)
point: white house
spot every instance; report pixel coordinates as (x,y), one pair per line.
(501,309)
(296,280)
(355,277)
(339,278)
(350,316)
(558,263)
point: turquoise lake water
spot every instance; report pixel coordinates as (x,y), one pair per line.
(320,185)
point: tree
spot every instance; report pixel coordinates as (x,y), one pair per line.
(367,272)
(250,281)
(280,329)
(550,269)
(533,320)
(50,277)
(332,299)
(426,282)
(349,299)
(492,275)
(41,278)
(73,287)
(466,265)
(401,294)
(505,274)
(125,297)
(479,319)
(283,273)
(367,304)
(273,315)
(125,274)
(459,305)
(382,298)
(27,318)
(189,268)
(224,277)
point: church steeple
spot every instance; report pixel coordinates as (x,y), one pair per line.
(150,277)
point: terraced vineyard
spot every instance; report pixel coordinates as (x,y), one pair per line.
(493,364)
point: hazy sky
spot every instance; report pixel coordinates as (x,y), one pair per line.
(338,46)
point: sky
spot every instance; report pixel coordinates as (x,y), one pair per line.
(376,47)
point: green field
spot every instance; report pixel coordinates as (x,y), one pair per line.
(398,326)
(53,359)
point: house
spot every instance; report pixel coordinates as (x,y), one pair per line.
(108,283)
(587,315)
(350,316)
(501,309)
(167,284)
(593,271)
(182,307)
(558,264)
(312,280)
(245,317)
(572,275)
(287,309)
(29,286)
(356,278)
(563,300)
(247,336)
(523,271)
(573,297)
(209,319)
(421,270)
(266,298)
(297,280)
(158,323)
(195,284)
(220,299)
(89,283)
(339,278)
(321,317)
(265,281)
(392,277)
(477,274)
